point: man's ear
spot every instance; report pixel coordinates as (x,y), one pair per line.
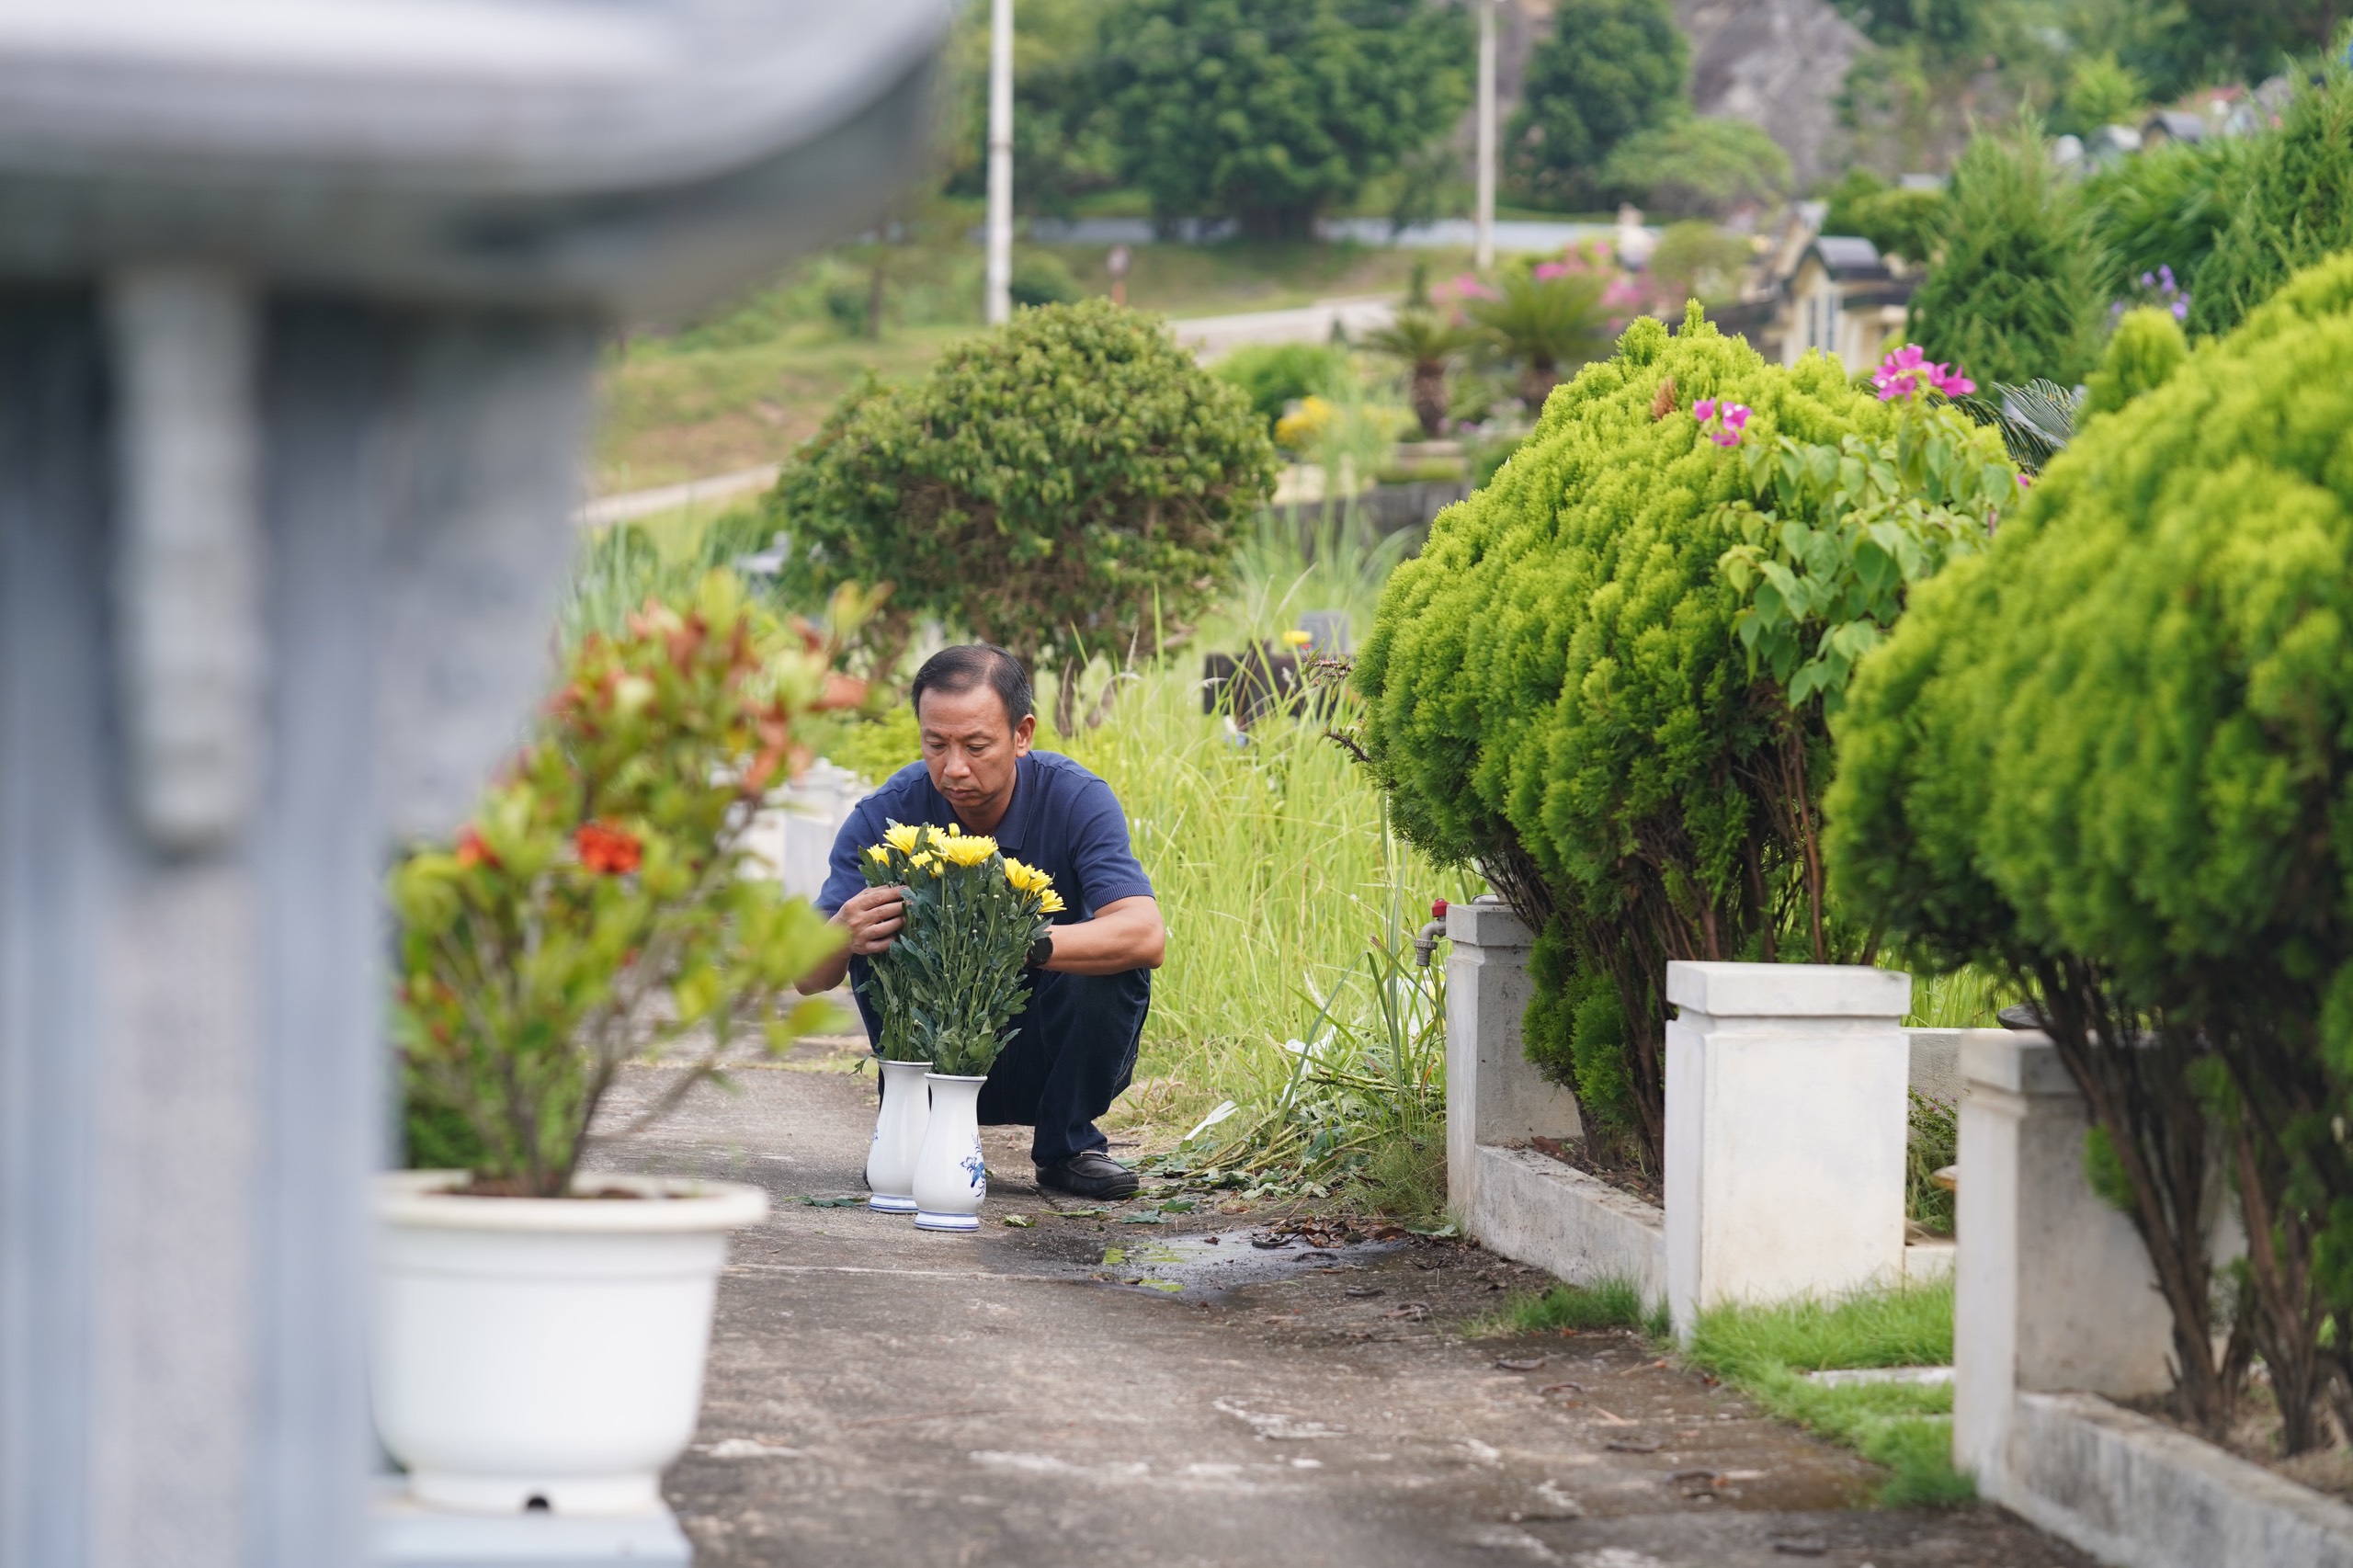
(1024,734)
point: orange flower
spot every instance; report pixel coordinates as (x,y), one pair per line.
(471,850)
(607,850)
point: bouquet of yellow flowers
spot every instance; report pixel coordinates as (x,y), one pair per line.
(954,978)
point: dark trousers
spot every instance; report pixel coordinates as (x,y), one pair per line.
(1072,1053)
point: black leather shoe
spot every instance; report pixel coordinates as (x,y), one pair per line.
(1089,1173)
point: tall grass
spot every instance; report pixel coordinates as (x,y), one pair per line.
(1278,875)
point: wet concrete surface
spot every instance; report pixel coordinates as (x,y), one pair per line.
(1088,1391)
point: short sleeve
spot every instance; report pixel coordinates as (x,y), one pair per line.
(844,881)
(1106,867)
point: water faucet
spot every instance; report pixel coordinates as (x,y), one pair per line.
(1425,942)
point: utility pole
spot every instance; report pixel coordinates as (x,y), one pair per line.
(1484,254)
(999,304)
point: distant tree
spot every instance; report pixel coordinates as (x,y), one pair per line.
(1609,70)
(1061,142)
(1270,111)
(1899,219)
(1690,166)
(2293,205)
(2016,295)
(1696,260)
(2258,35)
(2102,91)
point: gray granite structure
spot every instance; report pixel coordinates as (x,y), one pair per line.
(298,308)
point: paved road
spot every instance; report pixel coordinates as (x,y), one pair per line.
(1088,1391)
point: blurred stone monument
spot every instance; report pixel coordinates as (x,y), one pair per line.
(298,309)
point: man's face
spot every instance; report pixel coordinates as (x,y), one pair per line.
(970,748)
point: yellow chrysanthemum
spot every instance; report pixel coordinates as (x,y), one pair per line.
(1050,903)
(902,838)
(878,854)
(968,849)
(1027,878)
(1299,639)
(925,862)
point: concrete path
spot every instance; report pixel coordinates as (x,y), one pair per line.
(1091,1392)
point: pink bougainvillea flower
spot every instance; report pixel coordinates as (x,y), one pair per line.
(1548,270)
(2025,481)
(1950,381)
(1736,415)
(1704,410)
(1900,374)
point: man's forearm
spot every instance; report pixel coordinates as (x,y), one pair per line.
(1124,936)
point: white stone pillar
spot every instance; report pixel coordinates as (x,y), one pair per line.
(1494,1094)
(2054,1290)
(1785,1129)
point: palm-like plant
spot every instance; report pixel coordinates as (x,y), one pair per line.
(1426,344)
(1545,324)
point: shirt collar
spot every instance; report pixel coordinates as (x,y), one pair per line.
(1013,833)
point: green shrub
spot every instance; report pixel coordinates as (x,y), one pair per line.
(1041,278)
(1565,687)
(2165,208)
(2293,204)
(1273,375)
(1069,481)
(2113,756)
(2148,346)
(2016,294)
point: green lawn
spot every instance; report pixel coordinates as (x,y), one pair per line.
(746,384)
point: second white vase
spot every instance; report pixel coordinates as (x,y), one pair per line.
(951,1177)
(898,1137)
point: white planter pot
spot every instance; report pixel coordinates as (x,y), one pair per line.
(951,1179)
(898,1137)
(533,1350)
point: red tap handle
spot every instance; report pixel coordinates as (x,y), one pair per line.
(1437,910)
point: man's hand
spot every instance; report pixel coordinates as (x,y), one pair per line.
(873,917)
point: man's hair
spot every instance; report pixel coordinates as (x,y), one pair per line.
(959,669)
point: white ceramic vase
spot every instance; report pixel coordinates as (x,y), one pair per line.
(898,1136)
(950,1178)
(538,1351)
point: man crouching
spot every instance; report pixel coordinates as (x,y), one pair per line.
(1074,1050)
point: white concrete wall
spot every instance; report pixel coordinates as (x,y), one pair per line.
(1494,1094)
(1785,1131)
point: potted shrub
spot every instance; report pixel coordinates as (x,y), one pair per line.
(948,991)
(540,1333)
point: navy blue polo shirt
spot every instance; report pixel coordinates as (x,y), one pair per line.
(1064,820)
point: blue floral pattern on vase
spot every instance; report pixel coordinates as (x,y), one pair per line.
(976,1168)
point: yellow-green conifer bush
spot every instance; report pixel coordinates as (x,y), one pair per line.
(1578,688)
(2114,756)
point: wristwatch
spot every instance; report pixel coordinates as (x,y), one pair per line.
(1041,949)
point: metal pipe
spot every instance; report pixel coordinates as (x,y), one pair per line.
(999,302)
(1426,940)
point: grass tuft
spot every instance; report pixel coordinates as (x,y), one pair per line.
(1765,1352)
(1605,1304)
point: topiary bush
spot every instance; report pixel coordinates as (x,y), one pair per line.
(2148,347)
(2293,205)
(2113,758)
(1069,481)
(1603,679)
(2014,294)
